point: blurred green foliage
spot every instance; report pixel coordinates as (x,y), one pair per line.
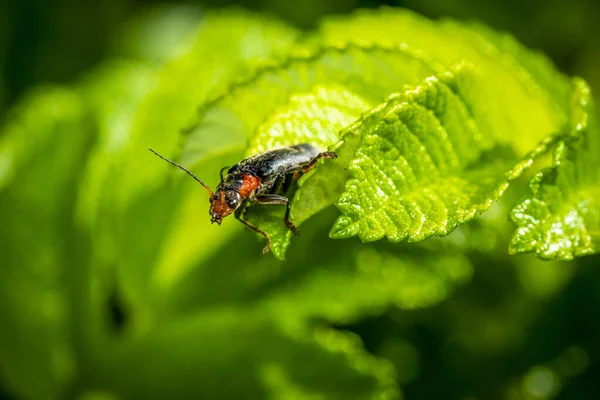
(113,284)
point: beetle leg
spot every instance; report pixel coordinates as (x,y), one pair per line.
(313,162)
(239,215)
(279,185)
(287,183)
(304,168)
(276,199)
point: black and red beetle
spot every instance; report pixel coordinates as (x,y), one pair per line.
(264,179)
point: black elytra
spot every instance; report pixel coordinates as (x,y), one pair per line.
(264,178)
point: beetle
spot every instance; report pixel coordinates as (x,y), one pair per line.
(264,178)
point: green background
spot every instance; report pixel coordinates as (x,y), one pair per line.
(516,319)
(55,40)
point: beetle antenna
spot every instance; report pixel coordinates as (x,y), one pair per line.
(187,171)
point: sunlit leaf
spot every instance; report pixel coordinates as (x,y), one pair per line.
(115,285)
(365,73)
(371,55)
(518,77)
(335,84)
(315,118)
(422,166)
(561,218)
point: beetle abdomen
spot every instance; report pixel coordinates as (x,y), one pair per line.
(278,161)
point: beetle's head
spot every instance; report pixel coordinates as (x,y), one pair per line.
(223,203)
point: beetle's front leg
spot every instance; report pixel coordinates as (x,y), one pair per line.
(276,199)
(239,215)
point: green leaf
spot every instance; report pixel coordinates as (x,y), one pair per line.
(366,284)
(367,73)
(226,45)
(536,89)
(534,68)
(525,80)
(371,54)
(314,265)
(333,84)
(211,349)
(200,307)
(314,117)
(161,33)
(561,218)
(146,220)
(322,283)
(42,146)
(422,166)
(114,92)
